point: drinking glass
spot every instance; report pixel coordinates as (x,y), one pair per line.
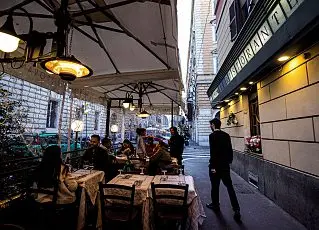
(164,177)
(142,170)
(120,171)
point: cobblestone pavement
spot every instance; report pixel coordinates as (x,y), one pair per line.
(258,212)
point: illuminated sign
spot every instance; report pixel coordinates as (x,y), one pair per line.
(275,20)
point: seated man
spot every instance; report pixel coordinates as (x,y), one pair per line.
(160,159)
(98,157)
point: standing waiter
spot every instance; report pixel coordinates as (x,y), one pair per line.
(221,156)
(176,145)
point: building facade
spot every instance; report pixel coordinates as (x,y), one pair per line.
(267,90)
(202,67)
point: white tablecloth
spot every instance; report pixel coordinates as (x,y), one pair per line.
(89,181)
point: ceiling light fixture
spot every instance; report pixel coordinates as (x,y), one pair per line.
(251,83)
(243,88)
(9,40)
(227,100)
(68,68)
(283,58)
(236,93)
(143,114)
(132,107)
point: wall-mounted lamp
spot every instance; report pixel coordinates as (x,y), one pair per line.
(283,58)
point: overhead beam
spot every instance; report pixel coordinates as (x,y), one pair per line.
(99,26)
(26,2)
(107,7)
(21,14)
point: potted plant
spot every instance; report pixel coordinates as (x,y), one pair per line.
(253,144)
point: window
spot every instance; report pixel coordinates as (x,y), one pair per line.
(52,114)
(233,20)
(239,11)
(79,113)
(215,64)
(254,112)
(96,120)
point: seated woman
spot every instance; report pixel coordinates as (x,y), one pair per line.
(160,159)
(127,148)
(51,173)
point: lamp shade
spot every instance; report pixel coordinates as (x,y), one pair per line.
(114,128)
(68,68)
(9,40)
(77,126)
(126,104)
(143,114)
(132,107)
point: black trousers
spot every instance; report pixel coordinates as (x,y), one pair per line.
(224,175)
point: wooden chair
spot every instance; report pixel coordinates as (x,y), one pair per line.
(169,206)
(117,203)
(44,213)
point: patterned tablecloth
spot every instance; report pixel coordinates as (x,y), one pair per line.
(196,213)
(89,181)
(142,184)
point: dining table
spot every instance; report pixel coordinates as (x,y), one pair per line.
(196,213)
(88,181)
(142,185)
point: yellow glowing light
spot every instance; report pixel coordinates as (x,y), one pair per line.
(126,104)
(8,43)
(251,82)
(243,88)
(236,93)
(143,114)
(283,58)
(227,100)
(132,107)
(69,68)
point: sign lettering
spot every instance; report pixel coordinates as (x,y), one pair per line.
(275,20)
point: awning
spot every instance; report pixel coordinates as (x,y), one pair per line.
(123,42)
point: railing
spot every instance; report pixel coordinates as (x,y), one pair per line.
(14,174)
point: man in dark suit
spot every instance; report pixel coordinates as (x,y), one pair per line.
(98,156)
(176,145)
(221,156)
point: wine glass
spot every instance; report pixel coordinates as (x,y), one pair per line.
(90,167)
(142,170)
(164,174)
(86,165)
(120,171)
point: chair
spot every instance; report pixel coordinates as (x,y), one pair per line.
(170,206)
(50,215)
(117,203)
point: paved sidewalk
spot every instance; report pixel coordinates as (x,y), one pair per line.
(257,211)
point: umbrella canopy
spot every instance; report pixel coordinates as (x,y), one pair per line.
(124,42)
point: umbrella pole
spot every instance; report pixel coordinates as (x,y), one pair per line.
(172,114)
